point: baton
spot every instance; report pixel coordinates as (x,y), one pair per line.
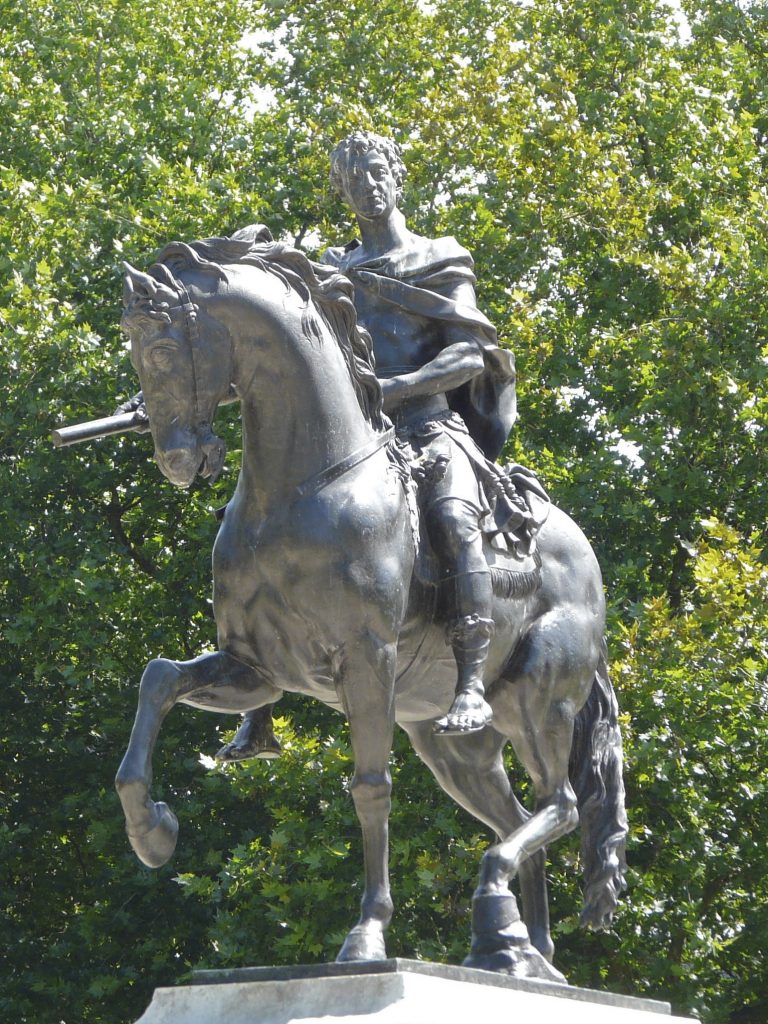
(93,429)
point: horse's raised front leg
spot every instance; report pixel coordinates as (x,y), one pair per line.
(367,689)
(217,682)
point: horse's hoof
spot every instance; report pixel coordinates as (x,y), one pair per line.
(155,846)
(500,940)
(363,943)
(528,963)
(231,752)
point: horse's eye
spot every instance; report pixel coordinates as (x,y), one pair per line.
(162,357)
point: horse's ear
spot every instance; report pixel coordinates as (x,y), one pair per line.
(136,283)
(165,277)
(127,284)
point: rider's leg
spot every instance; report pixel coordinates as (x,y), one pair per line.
(255,738)
(455,534)
(470,634)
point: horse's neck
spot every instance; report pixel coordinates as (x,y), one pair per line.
(300,414)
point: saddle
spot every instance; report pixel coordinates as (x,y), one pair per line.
(509,532)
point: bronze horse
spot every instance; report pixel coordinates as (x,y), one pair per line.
(315,593)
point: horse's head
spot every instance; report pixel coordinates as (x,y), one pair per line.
(183,374)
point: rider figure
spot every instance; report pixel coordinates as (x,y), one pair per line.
(450,391)
(435,354)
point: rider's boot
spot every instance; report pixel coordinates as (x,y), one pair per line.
(470,637)
(254,738)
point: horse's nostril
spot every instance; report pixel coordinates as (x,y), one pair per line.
(177,459)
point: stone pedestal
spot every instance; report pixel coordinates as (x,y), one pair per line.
(389,992)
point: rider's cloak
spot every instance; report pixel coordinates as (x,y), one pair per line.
(422,282)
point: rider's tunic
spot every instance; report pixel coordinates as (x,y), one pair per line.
(414,304)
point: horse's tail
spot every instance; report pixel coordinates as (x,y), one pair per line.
(596,775)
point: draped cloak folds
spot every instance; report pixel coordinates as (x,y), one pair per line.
(420,283)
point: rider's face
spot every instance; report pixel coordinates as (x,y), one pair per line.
(369,187)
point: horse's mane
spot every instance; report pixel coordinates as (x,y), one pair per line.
(326,293)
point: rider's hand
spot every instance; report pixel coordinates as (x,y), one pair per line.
(136,404)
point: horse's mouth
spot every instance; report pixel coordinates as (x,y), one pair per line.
(212,462)
(204,470)
(194,458)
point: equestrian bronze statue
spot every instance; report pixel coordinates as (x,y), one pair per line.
(374,556)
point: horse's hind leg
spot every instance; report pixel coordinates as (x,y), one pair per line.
(214,681)
(470,769)
(535,706)
(546,759)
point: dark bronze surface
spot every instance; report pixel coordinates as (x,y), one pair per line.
(333,591)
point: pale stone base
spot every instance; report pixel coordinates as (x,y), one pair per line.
(390,992)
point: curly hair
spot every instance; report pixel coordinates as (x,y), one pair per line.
(359,143)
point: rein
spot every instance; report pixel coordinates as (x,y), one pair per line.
(326,476)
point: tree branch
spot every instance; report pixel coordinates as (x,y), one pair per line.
(114,514)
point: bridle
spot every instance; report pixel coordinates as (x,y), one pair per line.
(213,447)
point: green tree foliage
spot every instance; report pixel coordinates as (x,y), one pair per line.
(611,182)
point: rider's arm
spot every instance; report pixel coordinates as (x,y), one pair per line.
(458,362)
(451,368)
